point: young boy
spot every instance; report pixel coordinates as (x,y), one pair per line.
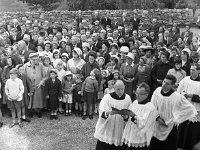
(14,90)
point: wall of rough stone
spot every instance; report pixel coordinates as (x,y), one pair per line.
(167,16)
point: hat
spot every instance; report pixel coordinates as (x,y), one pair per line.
(106,71)
(41,45)
(63,40)
(187,50)
(130,55)
(65,54)
(93,54)
(147,48)
(124,49)
(78,51)
(67,73)
(115,71)
(47,42)
(101,58)
(110,38)
(28,21)
(13,71)
(54,42)
(54,70)
(142,47)
(56,50)
(33,55)
(85,44)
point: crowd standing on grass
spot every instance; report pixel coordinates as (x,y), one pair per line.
(102,66)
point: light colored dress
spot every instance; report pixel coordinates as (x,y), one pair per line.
(140,134)
(37,75)
(173,109)
(110,130)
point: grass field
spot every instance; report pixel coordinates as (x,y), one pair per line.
(68,133)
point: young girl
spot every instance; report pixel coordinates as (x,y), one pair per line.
(60,73)
(110,88)
(68,87)
(77,98)
(53,88)
(89,92)
(116,75)
(101,62)
(14,90)
(56,56)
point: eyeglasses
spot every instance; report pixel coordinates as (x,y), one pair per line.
(140,93)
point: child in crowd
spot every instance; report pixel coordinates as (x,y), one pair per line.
(14,90)
(68,86)
(116,75)
(28,91)
(110,88)
(89,92)
(101,62)
(53,88)
(109,67)
(60,74)
(77,97)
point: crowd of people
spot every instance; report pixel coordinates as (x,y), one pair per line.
(102,65)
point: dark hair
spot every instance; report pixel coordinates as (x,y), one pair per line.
(177,60)
(19,66)
(186,53)
(166,53)
(145,86)
(13,61)
(171,78)
(114,59)
(196,65)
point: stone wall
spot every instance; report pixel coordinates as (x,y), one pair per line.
(167,16)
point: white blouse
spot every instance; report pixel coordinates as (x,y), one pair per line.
(110,130)
(173,109)
(140,134)
(72,66)
(188,86)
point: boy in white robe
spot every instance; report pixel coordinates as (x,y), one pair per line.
(173,109)
(190,88)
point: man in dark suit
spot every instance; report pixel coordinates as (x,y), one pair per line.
(97,44)
(135,22)
(187,39)
(105,21)
(167,40)
(190,36)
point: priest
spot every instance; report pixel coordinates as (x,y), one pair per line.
(173,109)
(110,125)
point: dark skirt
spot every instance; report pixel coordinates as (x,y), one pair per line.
(90,98)
(169,144)
(53,102)
(105,146)
(193,135)
(77,98)
(182,134)
(126,147)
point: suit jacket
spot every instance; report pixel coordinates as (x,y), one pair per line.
(105,22)
(97,46)
(168,42)
(135,23)
(32,47)
(190,35)
(122,21)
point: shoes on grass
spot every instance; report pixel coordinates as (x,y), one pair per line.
(25,120)
(1,124)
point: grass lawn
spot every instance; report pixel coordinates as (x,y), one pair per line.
(68,133)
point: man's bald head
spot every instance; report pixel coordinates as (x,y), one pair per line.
(119,88)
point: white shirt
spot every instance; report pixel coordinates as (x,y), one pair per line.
(15,89)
